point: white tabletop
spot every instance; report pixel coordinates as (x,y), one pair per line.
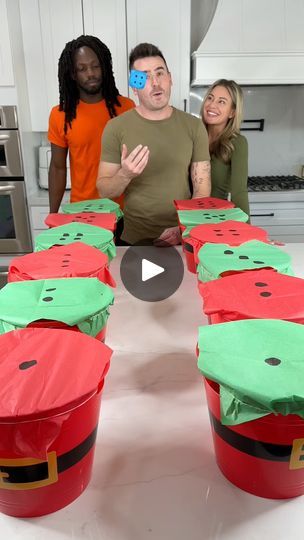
(154,475)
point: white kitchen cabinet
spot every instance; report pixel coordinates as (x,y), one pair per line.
(107,21)
(253,42)
(38,215)
(6,63)
(166,25)
(47,25)
(284,221)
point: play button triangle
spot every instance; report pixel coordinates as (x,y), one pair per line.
(141,263)
(150,270)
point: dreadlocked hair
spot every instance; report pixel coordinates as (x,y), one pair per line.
(68,88)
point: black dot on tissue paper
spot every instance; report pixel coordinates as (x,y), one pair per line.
(47,299)
(265,293)
(27,364)
(273,361)
(228,252)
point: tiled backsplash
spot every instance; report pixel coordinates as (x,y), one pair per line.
(279,149)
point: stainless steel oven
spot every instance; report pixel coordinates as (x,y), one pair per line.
(15,233)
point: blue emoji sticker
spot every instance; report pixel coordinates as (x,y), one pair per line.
(137,79)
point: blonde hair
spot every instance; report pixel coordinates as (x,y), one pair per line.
(223,147)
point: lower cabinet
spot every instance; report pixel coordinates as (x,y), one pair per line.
(37,217)
(284,221)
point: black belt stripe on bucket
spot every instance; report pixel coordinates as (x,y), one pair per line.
(39,471)
(188,247)
(258,449)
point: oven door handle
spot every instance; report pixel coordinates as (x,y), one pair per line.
(4,274)
(271,214)
(7,188)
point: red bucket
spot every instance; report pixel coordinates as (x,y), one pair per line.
(265,456)
(78,260)
(233,233)
(188,249)
(257,294)
(46,454)
(203,203)
(106,221)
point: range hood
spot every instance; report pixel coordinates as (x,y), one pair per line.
(255,42)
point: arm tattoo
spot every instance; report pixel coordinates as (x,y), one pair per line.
(201,181)
(200,173)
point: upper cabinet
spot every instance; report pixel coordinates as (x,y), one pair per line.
(260,42)
(47,25)
(166,25)
(6,64)
(107,20)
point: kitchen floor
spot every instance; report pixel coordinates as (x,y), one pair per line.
(155,475)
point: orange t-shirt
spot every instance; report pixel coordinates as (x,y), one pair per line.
(83,140)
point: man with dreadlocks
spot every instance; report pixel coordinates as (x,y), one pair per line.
(88,98)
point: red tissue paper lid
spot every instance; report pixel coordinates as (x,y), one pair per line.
(75,260)
(202,203)
(233,233)
(262,294)
(106,221)
(45,372)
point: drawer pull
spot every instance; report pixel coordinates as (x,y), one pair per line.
(262,215)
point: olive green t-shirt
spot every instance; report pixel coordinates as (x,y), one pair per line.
(232,177)
(174,143)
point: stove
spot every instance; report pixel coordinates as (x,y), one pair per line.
(275,189)
(275,183)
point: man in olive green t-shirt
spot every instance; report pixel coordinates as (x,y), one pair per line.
(147,154)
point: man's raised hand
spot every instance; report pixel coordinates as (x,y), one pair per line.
(132,165)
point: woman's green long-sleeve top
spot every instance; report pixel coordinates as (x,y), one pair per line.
(232,177)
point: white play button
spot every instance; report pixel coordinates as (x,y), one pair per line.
(150,270)
(142,263)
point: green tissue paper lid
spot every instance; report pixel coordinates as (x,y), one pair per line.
(259,365)
(214,259)
(75,301)
(192,218)
(100,206)
(64,235)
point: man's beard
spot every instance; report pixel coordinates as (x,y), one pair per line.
(91,90)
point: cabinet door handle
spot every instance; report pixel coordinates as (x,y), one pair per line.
(262,215)
(185,105)
(7,188)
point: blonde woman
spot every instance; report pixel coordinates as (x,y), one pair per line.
(221,113)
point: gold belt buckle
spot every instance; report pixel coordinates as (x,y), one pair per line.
(52,477)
